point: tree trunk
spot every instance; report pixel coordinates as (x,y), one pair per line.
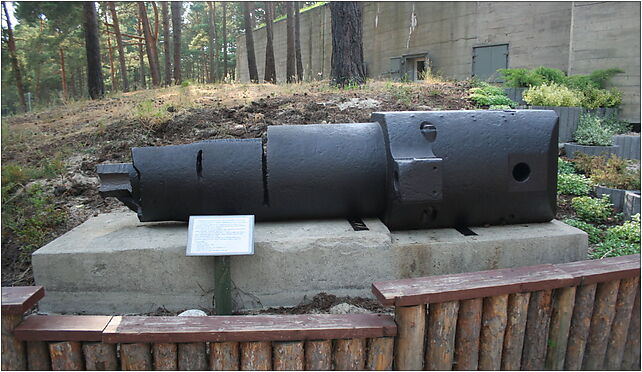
(297,43)
(270,66)
(63,74)
(119,43)
(217,47)
(114,83)
(290,64)
(141,59)
(176,27)
(211,30)
(166,43)
(72,86)
(347,44)
(14,60)
(224,40)
(248,7)
(150,45)
(92,45)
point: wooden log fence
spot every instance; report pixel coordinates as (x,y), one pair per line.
(579,315)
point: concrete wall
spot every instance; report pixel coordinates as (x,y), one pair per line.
(577,37)
(605,35)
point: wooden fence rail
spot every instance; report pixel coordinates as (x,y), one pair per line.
(580,315)
(284,342)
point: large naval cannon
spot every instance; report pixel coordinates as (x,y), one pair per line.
(411,169)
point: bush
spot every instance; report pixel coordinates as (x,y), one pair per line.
(553,95)
(150,115)
(616,125)
(32,217)
(629,231)
(573,184)
(565,167)
(594,234)
(590,209)
(499,107)
(489,95)
(601,77)
(614,173)
(620,240)
(520,77)
(550,75)
(594,98)
(591,132)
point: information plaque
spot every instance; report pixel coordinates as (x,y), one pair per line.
(220,235)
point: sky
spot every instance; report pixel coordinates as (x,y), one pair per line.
(11,17)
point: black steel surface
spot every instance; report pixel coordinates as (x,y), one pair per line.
(412,169)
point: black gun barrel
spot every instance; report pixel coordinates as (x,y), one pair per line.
(411,169)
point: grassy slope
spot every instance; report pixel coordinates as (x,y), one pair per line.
(48,157)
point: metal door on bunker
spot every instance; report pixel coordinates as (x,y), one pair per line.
(487,60)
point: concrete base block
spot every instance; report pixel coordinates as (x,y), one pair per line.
(113,264)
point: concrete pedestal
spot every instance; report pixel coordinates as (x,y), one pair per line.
(114,264)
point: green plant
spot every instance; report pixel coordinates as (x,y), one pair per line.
(573,184)
(553,95)
(594,98)
(401,92)
(550,75)
(520,77)
(30,217)
(591,132)
(151,115)
(629,231)
(499,107)
(616,125)
(593,209)
(594,234)
(601,77)
(490,95)
(613,171)
(620,240)
(565,167)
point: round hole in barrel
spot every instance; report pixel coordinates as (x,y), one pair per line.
(521,172)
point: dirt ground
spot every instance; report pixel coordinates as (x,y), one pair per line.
(73,138)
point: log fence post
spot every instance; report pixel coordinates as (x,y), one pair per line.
(16,301)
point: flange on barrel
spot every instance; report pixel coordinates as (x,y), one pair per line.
(411,169)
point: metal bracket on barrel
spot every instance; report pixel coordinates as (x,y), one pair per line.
(418,180)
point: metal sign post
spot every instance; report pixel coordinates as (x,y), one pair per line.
(222,237)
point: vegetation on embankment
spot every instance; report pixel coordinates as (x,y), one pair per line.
(49,156)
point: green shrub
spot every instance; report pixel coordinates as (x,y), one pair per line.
(615,173)
(594,234)
(550,75)
(601,77)
(520,77)
(499,107)
(616,125)
(593,209)
(565,167)
(30,218)
(591,132)
(580,82)
(629,231)
(150,115)
(620,240)
(490,95)
(573,184)
(553,95)
(594,98)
